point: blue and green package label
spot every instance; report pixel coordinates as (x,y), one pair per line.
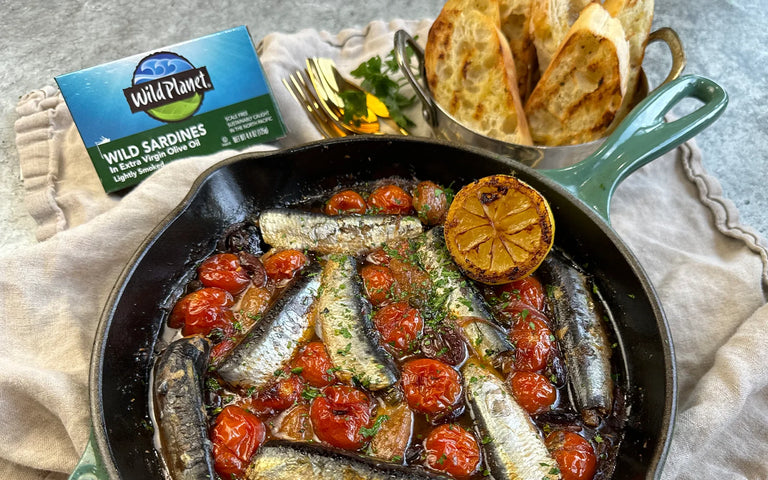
(194,98)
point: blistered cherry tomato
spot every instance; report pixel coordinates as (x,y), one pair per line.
(339,414)
(533,391)
(399,325)
(223,271)
(278,395)
(527,290)
(411,282)
(314,365)
(533,342)
(378,282)
(384,255)
(430,202)
(284,264)
(390,199)
(444,342)
(453,450)
(574,455)
(203,311)
(431,386)
(221,349)
(347,201)
(236,435)
(294,424)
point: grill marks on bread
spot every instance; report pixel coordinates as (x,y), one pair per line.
(471,72)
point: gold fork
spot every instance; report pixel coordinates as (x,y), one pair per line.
(331,102)
(335,83)
(301,92)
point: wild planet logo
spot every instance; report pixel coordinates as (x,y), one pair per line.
(167,87)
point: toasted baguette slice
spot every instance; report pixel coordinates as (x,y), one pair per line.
(636,17)
(550,21)
(516,26)
(489,8)
(471,74)
(576,99)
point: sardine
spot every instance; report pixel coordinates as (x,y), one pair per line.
(353,234)
(180,411)
(459,299)
(274,339)
(279,460)
(344,321)
(581,334)
(514,448)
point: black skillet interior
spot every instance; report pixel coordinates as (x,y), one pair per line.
(133,319)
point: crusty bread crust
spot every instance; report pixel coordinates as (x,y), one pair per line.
(550,22)
(636,17)
(515,18)
(471,74)
(578,95)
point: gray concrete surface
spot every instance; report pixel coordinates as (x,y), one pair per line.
(725,40)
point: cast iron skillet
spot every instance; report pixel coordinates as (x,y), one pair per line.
(236,189)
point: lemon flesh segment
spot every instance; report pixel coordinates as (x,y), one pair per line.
(499,229)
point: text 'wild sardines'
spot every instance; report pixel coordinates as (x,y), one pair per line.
(514,447)
(582,336)
(347,330)
(317,232)
(305,461)
(181,418)
(462,301)
(274,339)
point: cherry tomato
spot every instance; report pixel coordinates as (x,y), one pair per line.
(390,199)
(411,282)
(294,424)
(347,201)
(453,450)
(430,202)
(384,255)
(236,436)
(314,365)
(203,311)
(399,325)
(278,395)
(533,391)
(223,271)
(444,342)
(339,415)
(574,455)
(533,342)
(284,264)
(221,349)
(431,386)
(378,282)
(527,290)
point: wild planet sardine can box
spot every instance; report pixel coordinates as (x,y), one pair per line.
(193,98)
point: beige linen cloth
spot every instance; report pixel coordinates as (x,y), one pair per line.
(707,268)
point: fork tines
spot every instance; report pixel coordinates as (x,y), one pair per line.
(298,85)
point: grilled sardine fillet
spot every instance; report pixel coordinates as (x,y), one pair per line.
(273,340)
(346,328)
(181,418)
(514,448)
(306,461)
(581,334)
(460,300)
(317,232)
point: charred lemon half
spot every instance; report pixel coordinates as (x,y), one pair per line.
(499,229)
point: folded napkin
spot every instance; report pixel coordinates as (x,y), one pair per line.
(707,268)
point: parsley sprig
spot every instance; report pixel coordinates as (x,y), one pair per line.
(378,78)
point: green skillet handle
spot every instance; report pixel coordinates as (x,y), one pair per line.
(642,136)
(90,466)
